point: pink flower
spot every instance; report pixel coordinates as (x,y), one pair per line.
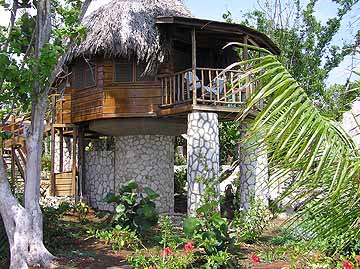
(189,247)
(347,265)
(166,251)
(255,258)
(151,267)
(358,259)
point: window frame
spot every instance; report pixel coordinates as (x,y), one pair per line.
(134,72)
(85,66)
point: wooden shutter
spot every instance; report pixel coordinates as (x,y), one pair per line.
(124,72)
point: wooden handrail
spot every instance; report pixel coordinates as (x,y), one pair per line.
(208,86)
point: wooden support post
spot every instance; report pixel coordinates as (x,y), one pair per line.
(52,165)
(81,148)
(193,53)
(73,168)
(52,146)
(61,150)
(13,175)
(246,57)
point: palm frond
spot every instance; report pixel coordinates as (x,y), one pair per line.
(317,152)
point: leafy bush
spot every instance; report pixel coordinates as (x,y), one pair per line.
(135,208)
(250,224)
(168,236)
(180,179)
(209,230)
(82,209)
(166,259)
(118,237)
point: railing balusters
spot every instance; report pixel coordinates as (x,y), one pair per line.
(232,86)
(174,88)
(202,84)
(182,87)
(166,92)
(178,88)
(211,87)
(225,89)
(217,86)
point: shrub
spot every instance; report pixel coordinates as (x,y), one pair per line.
(166,259)
(168,236)
(209,230)
(250,224)
(118,237)
(135,208)
(180,179)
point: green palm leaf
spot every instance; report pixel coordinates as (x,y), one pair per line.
(315,150)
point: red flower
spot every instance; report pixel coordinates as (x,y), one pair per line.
(77,242)
(358,259)
(255,258)
(189,247)
(347,265)
(166,251)
(151,267)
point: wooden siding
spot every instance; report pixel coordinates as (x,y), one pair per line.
(110,99)
(63,184)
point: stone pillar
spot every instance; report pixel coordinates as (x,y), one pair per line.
(253,166)
(149,160)
(202,154)
(67,154)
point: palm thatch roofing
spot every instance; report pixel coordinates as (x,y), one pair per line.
(131,29)
(127,28)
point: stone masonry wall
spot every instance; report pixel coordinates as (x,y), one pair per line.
(147,159)
(253,166)
(203,154)
(67,154)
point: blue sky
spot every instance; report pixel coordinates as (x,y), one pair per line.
(213,9)
(325,9)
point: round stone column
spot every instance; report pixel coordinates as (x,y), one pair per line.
(253,166)
(202,154)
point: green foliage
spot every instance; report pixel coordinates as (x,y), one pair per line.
(135,209)
(82,209)
(180,179)
(175,260)
(315,150)
(229,137)
(119,238)
(209,230)
(168,236)
(250,224)
(309,48)
(46,162)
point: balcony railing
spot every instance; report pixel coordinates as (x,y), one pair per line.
(205,86)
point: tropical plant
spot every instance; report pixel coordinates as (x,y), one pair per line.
(299,139)
(135,207)
(250,224)
(118,237)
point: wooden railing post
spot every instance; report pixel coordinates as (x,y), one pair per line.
(193,42)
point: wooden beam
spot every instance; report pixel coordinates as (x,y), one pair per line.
(81,148)
(52,164)
(193,55)
(61,150)
(73,169)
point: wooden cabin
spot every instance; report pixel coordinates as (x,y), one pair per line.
(146,72)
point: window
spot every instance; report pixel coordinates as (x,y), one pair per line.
(84,75)
(140,69)
(126,72)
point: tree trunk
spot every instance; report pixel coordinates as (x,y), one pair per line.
(24,225)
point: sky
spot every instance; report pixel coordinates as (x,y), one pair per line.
(213,9)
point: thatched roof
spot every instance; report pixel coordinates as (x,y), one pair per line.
(126,28)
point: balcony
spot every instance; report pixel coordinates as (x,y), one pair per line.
(208,89)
